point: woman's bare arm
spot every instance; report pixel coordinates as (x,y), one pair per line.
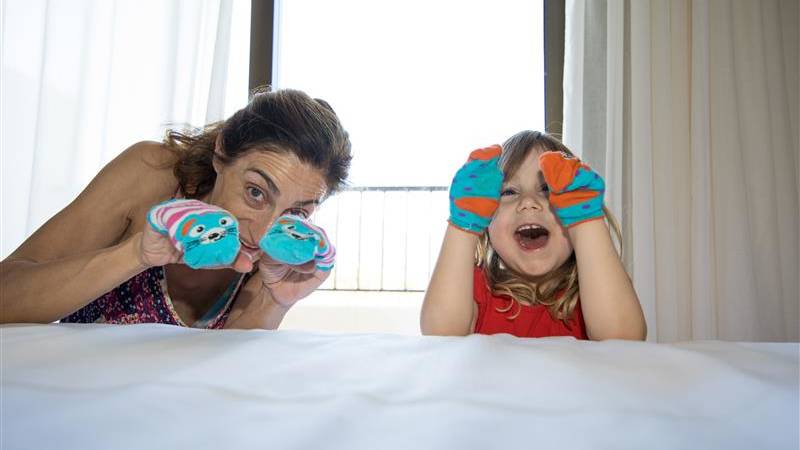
(87,248)
(255,308)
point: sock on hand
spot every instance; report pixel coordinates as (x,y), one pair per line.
(475,190)
(207,236)
(293,240)
(576,191)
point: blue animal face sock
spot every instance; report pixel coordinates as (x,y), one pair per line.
(207,235)
(293,240)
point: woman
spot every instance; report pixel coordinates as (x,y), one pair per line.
(98,260)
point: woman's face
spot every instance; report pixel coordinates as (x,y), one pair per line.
(260,186)
(525,232)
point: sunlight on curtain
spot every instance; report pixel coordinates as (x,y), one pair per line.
(83,80)
(692,113)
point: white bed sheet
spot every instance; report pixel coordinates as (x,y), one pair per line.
(156,386)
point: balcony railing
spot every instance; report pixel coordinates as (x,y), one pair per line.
(386,238)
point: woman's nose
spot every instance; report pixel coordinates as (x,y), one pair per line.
(258,227)
(263,227)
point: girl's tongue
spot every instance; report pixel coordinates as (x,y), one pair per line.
(531,237)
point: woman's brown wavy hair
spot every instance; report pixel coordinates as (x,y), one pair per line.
(558,290)
(280,121)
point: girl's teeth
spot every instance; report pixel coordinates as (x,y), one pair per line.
(531,237)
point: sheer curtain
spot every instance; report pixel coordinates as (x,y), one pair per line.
(82,80)
(691,110)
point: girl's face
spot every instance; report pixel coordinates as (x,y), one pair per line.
(260,186)
(525,232)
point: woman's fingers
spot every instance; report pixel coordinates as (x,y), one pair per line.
(242,263)
(309,267)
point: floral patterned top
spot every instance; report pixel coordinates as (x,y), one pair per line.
(144,299)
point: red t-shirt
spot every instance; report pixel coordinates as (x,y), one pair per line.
(532,321)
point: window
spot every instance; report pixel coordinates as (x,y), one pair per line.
(418,85)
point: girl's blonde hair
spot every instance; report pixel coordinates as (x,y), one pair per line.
(557,290)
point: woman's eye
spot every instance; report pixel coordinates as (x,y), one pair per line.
(506,192)
(299,212)
(255,193)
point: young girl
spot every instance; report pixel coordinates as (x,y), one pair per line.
(527,250)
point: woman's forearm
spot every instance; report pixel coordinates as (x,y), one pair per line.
(448,306)
(610,306)
(47,291)
(255,308)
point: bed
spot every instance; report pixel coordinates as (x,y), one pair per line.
(165,387)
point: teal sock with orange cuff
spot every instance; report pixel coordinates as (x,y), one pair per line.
(576,191)
(475,190)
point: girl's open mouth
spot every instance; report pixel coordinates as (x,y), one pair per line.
(531,236)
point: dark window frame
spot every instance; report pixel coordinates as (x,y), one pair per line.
(554,11)
(262,30)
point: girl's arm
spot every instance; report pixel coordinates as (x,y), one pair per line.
(449,307)
(609,303)
(79,254)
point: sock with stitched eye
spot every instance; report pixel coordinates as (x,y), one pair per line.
(207,236)
(293,240)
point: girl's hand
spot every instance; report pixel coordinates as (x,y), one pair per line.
(475,190)
(576,191)
(200,235)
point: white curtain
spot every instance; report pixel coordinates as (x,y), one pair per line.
(690,107)
(82,80)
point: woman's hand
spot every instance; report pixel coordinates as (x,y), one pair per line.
(475,190)
(297,258)
(288,283)
(262,303)
(156,249)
